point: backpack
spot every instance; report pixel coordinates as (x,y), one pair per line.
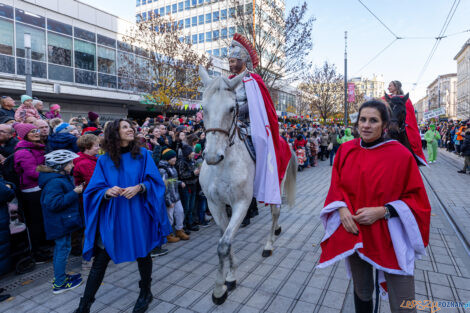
(8,168)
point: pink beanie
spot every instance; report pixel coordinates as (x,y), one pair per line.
(23,129)
(54,107)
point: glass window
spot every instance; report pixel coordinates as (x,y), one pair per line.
(144,16)
(107,81)
(209,51)
(125,63)
(59,49)
(223,14)
(38,68)
(208,36)
(144,2)
(138,18)
(208,1)
(231,31)
(231,12)
(141,52)
(187,5)
(168,9)
(125,83)
(106,60)
(216,52)
(85,53)
(208,18)
(187,23)
(85,77)
(201,38)
(38,42)
(6,11)
(57,72)
(155,12)
(193,3)
(7,64)
(137,3)
(106,41)
(149,14)
(180,24)
(162,11)
(223,33)
(194,39)
(124,46)
(201,19)
(174,8)
(59,27)
(215,16)
(187,39)
(194,21)
(180,6)
(84,34)
(30,18)
(215,35)
(223,52)
(6,37)
(142,66)
(149,1)
(201,1)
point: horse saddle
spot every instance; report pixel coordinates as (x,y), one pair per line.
(245,135)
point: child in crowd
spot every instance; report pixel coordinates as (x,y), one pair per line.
(59,201)
(172,197)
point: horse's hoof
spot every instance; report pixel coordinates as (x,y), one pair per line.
(219,301)
(267,253)
(277,232)
(231,285)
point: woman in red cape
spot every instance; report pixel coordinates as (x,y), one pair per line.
(377,212)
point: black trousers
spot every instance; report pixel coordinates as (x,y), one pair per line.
(34,219)
(98,269)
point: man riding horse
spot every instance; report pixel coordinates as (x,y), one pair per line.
(256,107)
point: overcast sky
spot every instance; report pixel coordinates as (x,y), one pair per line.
(403,60)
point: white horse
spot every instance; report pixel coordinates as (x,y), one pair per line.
(227,176)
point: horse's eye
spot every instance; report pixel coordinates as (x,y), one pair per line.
(232,109)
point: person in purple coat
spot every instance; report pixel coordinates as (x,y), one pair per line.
(29,153)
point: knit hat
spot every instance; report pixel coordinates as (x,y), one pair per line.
(22,129)
(197,148)
(25,97)
(92,116)
(54,107)
(168,154)
(187,150)
(63,128)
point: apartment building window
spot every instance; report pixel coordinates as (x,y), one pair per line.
(59,49)
(162,11)
(85,53)
(187,22)
(144,16)
(149,1)
(209,18)
(38,42)
(180,6)
(223,14)
(231,12)
(231,32)
(209,51)
(201,38)
(223,32)
(208,36)
(180,24)
(187,5)
(215,35)
(174,8)
(194,21)
(215,16)
(168,9)
(194,39)
(201,19)
(201,1)
(193,3)
(216,52)
(144,2)
(155,12)
(223,52)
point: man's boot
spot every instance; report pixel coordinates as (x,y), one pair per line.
(172,239)
(145,297)
(180,234)
(84,306)
(363,306)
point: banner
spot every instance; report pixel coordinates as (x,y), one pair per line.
(353,117)
(351,92)
(434,113)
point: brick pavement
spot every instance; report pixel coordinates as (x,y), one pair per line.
(286,282)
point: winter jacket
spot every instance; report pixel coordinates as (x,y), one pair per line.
(157,154)
(6,112)
(23,112)
(460,133)
(26,162)
(431,135)
(9,147)
(170,177)
(465,149)
(60,205)
(185,168)
(51,114)
(6,195)
(7,168)
(65,141)
(333,137)
(299,143)
(325,140)
(84,167)
(347,136)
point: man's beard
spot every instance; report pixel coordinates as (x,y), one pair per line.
(235,69)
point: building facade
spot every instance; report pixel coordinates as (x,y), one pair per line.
(463,82)
(370,87)
(442,92)
(420,107)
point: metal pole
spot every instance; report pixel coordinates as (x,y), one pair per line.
(28,65)
(345,79)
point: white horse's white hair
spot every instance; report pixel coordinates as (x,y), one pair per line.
(227,176)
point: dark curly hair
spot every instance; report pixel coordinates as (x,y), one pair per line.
(112,142)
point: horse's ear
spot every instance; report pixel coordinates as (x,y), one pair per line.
(406,97)
(234,82)
(204,76)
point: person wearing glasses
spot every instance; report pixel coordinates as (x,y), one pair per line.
(7,105)
(29,153)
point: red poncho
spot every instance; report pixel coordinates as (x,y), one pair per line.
(369,177)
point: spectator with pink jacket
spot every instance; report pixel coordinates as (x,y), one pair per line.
(26,110)
(54,112)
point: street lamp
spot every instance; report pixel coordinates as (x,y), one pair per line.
(28,65)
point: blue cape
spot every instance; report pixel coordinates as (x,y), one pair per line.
(129,229)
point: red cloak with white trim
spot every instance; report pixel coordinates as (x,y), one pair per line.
(369,177)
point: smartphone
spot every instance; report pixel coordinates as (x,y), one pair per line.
(151,136)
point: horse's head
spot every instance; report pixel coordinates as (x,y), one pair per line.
(220,110)
(397,108)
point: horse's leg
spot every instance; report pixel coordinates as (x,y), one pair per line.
(231,280)
(275,230)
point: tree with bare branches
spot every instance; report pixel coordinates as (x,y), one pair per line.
(323,90)
(283,42)
(165,67)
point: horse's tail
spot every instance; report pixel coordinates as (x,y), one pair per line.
(290,186)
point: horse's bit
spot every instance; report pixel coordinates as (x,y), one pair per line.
(233,130)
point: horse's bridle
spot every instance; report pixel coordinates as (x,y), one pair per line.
(233,130)
(402,128)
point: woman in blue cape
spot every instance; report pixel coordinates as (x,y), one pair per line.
(125,213)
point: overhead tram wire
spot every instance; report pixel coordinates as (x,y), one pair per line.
(380,21)
(377,55)
(438,39)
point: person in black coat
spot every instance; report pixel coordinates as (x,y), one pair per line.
(465,149)
(7,193)
(189,174)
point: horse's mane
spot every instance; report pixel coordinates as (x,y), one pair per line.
(216,85)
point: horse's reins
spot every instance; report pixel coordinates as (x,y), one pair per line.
(233,130)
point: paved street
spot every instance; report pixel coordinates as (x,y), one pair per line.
(287,281)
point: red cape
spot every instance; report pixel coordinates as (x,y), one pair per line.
(368,178)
